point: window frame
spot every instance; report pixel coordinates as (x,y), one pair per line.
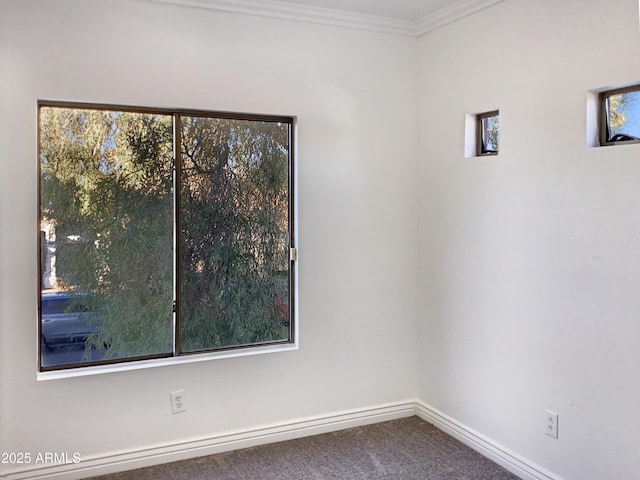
(177,355)
(603,117)
(480,150)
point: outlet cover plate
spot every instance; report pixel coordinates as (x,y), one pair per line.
(551,423)
(178,404)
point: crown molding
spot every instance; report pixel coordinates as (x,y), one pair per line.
(303,13)
(450,14)
(341,18)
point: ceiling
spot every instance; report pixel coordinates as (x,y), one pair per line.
(402,17)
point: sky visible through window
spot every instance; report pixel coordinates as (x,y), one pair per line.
(629,109)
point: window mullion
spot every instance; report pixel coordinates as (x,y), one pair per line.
(177,168)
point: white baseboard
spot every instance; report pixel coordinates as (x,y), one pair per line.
(223,442)
(218,443)
(504,457)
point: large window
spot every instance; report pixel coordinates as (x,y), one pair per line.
(620,116)
(162,233)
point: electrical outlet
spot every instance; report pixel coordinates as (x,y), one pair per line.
(178,402)
(551,423)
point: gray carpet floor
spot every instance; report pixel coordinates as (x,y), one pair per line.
(404,449)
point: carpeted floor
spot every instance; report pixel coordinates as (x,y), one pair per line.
(404,449)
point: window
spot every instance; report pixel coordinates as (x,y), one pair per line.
(620,116)
(162,233)
(488,133)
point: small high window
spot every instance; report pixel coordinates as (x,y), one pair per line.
(488,133)
(620,116)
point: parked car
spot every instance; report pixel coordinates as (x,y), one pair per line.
(67,319)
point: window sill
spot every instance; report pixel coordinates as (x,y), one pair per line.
(142,364)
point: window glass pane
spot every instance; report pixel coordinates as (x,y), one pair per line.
(234,222)
(623,116)
(490,128)
(106,209)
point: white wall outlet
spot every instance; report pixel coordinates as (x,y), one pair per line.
(178,402)
(551,423)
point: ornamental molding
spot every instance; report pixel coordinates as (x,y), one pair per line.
(341,18)
(450,14)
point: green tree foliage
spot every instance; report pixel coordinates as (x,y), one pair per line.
(617,116)
(106,186)
(107,189)
(234,218)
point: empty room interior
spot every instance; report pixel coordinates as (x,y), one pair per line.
(480,285)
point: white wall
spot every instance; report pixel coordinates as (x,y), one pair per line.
(355,96)
(530,261)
